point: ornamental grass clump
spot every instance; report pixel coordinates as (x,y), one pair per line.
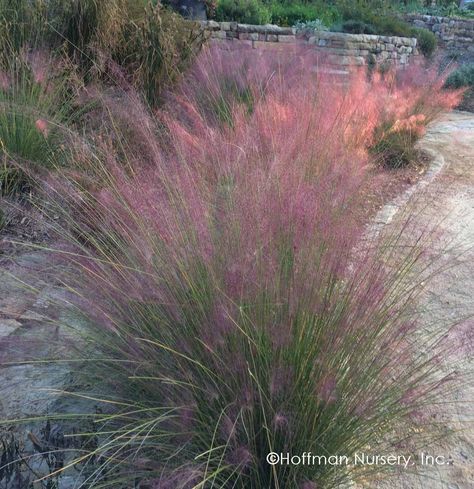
(152,44)
(230,304)
(35,105)
(410,107)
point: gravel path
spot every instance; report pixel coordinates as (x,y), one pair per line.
(447,196)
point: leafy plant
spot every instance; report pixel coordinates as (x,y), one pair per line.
(427,41)
(357,27)
(244,11)
(289,13)
(77,23)
(461,77)
(211,6)
(151,44)
(395,136)
(310,26)
(396,145)
(442,9)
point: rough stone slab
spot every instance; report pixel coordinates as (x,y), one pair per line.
(271,45)
(285,38)
(342,52)
(246,42)
(219,34)
(211,25)
(8,326)
(267,28)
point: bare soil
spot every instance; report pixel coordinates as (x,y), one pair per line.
(384,184)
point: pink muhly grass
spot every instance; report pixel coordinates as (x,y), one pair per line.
(4,81)
(228,429)
(222,265)
(327,389)
(42,126)
(184,478)
(241,457)
(41,65)
(308,485)
(280,421)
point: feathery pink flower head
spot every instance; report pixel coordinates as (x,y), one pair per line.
(42,126)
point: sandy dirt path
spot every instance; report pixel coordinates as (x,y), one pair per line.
(448,199)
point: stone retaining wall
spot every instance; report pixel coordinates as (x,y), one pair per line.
(341,48)
(451,33)
(361,49)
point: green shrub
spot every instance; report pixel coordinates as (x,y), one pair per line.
(366,12)
(290,13)
(310,26)
(356,10)
(393,26)
(427,41)
(245,11)
(357,27)
(462,77)
(447,8)
(81,26)
(76,22)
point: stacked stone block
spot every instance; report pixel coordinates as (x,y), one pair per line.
(452,33)
(340,48)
